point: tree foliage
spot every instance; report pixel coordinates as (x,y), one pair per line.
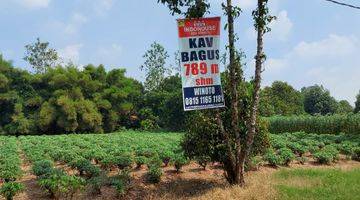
(317,100)
(357,104)
(40,56)
(281,99)
(155,66)
(344,107)
(187,8)
(64,99)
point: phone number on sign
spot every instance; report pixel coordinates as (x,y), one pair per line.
(203,100)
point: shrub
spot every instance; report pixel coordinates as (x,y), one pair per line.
(124,160)
(272,158)
(286,156)
(346,148)
(58,183)
(140,160)
(323,157)
(327,155)
(298,148)
(149,125)
(333,151)
(97,182)
(154,174)
(166,157)
(278,143)
(155,161)
(179,162)
(356,154)
(10,189)
(42,167)
(121,182)
(9,171)
(85,168)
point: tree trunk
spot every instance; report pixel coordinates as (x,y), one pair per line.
(251,125)
(234,84)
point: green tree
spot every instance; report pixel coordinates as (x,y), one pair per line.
(238,133)
(187,8)
(344,107)
(154,66)
(317,100)
(40,56)
(281,99)
(19,124)
(357,104)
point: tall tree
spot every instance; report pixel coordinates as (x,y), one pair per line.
(281,99)
(261,21)
(357,104)
(154,66)
(317,100)
(40,56)
(243,114)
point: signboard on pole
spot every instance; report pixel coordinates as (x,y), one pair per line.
(199,41)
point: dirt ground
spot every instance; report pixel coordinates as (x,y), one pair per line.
(192,183)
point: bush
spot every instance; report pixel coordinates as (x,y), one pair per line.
(166,157)
(155,161)
(124,160)
(356,154)
(272,158)
(298,148)
(10,189)
(85,168)
(327,155)
(121,182)
(333,151)
(149,125)
(286,156)
(346,148)
(58,184)
(140,160)
(179,162)
(107,162)
(97,182)
(323,157)
(42,167)
(154,174)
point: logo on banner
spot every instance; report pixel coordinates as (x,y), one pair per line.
(199,41)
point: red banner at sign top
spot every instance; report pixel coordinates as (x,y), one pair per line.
(199,27)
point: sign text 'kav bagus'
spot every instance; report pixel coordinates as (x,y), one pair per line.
(199,41)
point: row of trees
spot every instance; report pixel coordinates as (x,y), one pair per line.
(64,99)
(282,99)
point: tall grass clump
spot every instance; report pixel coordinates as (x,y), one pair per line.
(332,124)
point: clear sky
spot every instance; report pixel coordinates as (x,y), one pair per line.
(312,42)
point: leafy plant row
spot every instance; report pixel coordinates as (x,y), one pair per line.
(10,169)
(92,156)
(302,146)
(334,124)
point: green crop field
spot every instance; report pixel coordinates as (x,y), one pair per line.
(93,156)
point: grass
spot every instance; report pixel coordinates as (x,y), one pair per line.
(319,184)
